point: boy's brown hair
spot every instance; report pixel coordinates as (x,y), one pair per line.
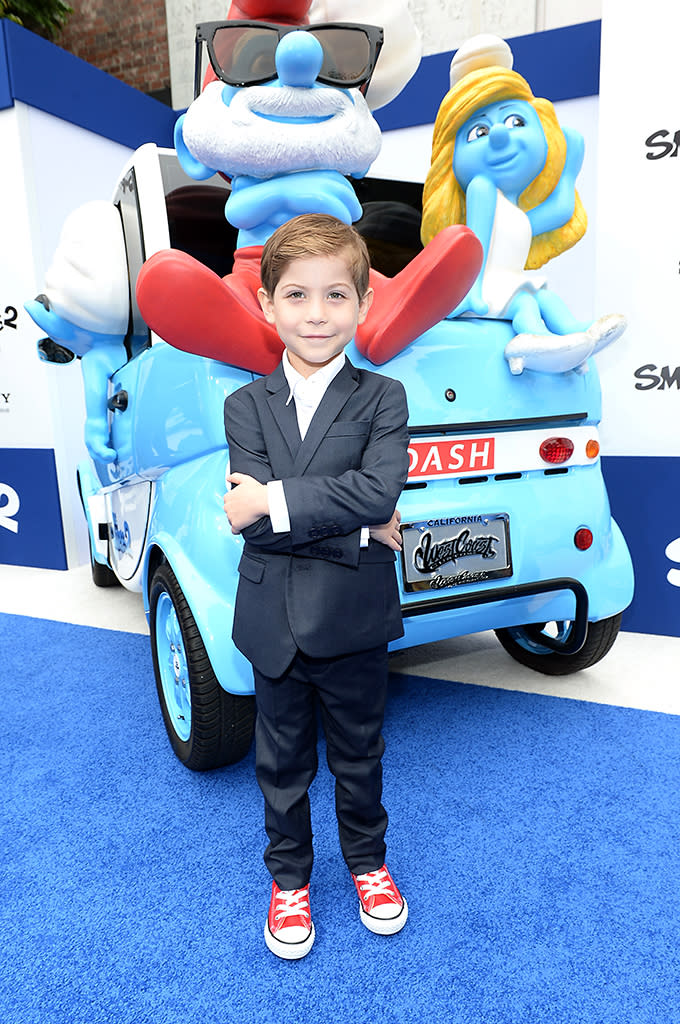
(309,235)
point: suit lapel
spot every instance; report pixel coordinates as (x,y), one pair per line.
(337,394)
(284,414)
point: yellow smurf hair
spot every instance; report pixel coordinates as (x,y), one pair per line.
(444,199)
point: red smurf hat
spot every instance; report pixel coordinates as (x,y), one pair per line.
(284,12)
(287,12)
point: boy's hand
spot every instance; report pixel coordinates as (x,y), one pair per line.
(388,533)
(246,502)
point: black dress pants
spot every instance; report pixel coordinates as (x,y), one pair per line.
(351,691)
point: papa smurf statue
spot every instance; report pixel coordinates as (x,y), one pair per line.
(277,118)
(502,164)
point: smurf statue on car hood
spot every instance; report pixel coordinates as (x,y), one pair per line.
(503,165)
(283,115)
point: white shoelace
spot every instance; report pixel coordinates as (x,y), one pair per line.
(292,903)
(377,883)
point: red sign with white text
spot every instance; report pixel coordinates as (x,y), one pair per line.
(432,458)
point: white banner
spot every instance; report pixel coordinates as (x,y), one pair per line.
(638,238)
(25,419)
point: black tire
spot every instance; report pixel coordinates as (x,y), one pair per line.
(207,727)
(523,644)
(102,575)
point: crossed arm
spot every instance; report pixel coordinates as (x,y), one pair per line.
(348,500)
(248,501)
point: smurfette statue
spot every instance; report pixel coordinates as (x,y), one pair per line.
(502,165)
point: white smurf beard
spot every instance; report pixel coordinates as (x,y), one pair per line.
(235,140)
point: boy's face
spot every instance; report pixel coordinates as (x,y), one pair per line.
(316,310)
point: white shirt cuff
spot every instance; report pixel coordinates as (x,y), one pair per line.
(278,507)
(278,512)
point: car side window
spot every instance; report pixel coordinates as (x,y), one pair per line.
(126,200)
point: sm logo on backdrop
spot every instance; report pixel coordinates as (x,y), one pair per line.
(657,377)
(661,143)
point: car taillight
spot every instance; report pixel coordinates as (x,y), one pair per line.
(583,538)
(592,448)
(556,450)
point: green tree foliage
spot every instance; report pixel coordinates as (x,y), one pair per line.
(44,17)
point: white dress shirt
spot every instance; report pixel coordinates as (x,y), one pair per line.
(307,393)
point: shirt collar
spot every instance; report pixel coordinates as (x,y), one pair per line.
(322,377)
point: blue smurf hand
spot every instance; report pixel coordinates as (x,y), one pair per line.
(190,165)
(575,153)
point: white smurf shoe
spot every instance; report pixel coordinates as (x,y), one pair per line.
(606,329)
(548,353)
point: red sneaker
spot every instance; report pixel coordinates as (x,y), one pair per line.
(289,932)
(382,908)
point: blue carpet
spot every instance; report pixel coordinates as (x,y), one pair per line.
(535,838)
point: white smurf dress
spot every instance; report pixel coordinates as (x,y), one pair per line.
(504,274)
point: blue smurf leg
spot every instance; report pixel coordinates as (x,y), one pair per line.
(543,312)
(525,314)
(557,316)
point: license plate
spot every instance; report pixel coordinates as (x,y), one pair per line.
(454,551)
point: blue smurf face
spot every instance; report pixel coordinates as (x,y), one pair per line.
(287,124)
(504,142)
(299,57)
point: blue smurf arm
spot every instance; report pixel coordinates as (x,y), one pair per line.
(97,366)
(257,207)
(480,202)
(101,355)
(190,165)
(558,207)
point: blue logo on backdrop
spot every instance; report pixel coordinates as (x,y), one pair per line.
(9,506)
(30,513)
(673,555)
(655,482)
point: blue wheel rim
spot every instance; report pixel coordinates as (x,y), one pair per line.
(527,638)
(172,666)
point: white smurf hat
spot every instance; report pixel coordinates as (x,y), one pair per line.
(480,52)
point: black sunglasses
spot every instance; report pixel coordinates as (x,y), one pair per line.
(243,52)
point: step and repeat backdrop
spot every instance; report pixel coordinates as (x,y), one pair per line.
(65,139)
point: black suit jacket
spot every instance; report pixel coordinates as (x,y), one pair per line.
(314,588)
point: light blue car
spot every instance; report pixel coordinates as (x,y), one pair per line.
(506,521)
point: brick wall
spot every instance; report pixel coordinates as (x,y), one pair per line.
(126,38)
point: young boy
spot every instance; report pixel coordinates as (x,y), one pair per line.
(318,453)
